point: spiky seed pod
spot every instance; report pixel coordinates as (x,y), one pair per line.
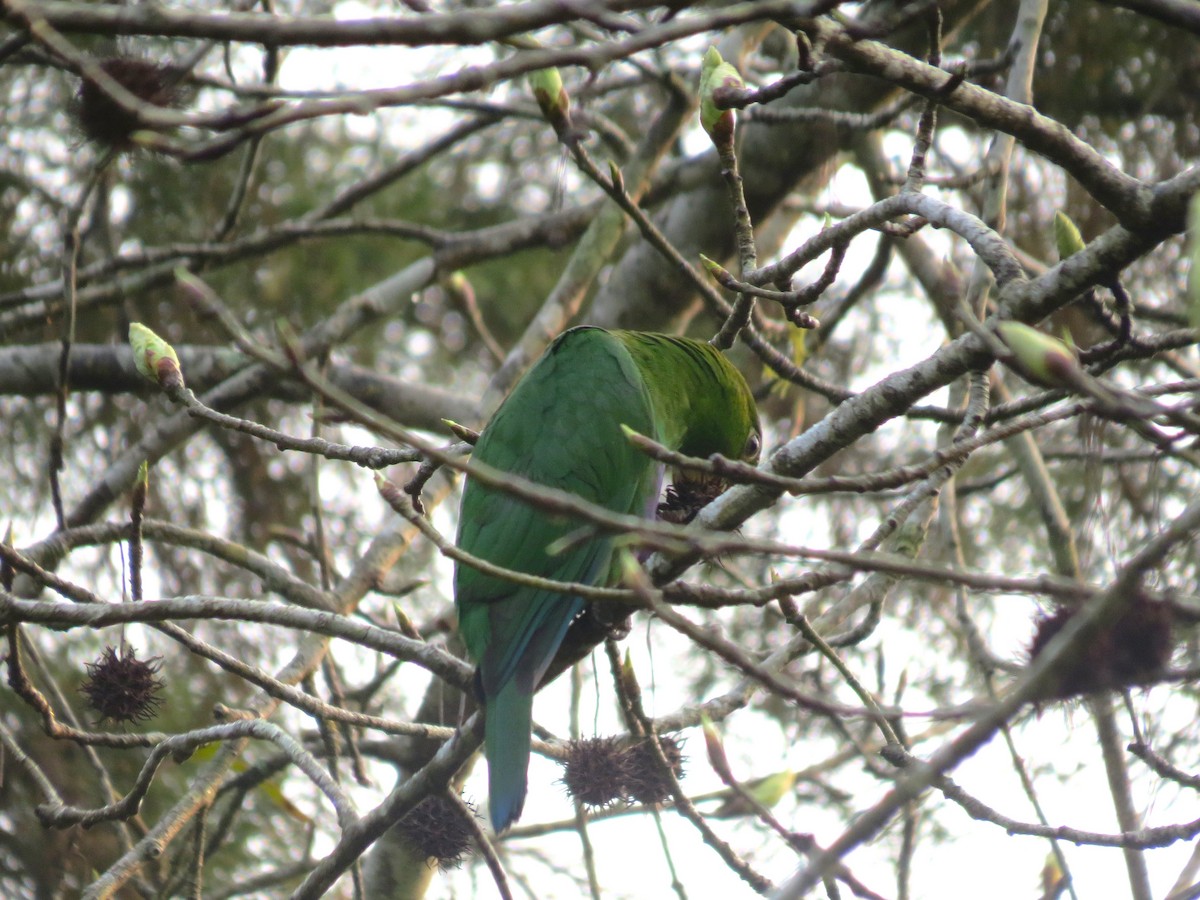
(122,687)
(687,497)
(1078,679)
(106,122)
(1142,642)
(1131,650)
(436,829)
(645,781)
(595,771)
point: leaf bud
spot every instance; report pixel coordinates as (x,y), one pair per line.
(1066,235)
(551,96)
(1046,360)
(155,358)
(715,73)
(715,748)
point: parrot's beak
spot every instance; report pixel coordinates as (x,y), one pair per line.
(688,493)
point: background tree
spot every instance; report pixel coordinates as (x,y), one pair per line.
(968,553)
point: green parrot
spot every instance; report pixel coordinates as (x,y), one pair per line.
(560,427)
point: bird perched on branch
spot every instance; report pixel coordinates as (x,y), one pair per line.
(561,427)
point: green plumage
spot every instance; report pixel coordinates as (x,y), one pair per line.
(560,427)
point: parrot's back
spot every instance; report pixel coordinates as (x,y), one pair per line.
(560,427)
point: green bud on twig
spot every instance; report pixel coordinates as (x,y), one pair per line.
(618,180)
(141,487)
(715,749)
(715,73)
(1047,360)
(462,432)
(715,269)
(1066,235)
(551,97)
(459,287)
(155,358)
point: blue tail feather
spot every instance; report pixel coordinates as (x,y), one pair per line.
(506,744)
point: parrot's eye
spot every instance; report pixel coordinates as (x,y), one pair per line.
(753,446)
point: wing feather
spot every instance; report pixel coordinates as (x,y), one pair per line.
(559,427)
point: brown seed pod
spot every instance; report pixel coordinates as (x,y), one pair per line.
(436,828)
(122,687)
(687,497)
(1142,642)
(103,120)
(645,780)
(595,771)
(1130,651)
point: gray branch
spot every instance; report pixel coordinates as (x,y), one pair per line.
(32,371)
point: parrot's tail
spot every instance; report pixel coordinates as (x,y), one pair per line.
(506,736)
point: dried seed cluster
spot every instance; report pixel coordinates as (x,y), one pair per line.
(122,687)
(106,122)
(1133,649)
(437,829)
(604,770)
(686,498)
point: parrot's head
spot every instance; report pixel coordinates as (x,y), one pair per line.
(702,407)
(690,491)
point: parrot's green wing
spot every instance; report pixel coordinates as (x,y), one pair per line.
(560,427)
